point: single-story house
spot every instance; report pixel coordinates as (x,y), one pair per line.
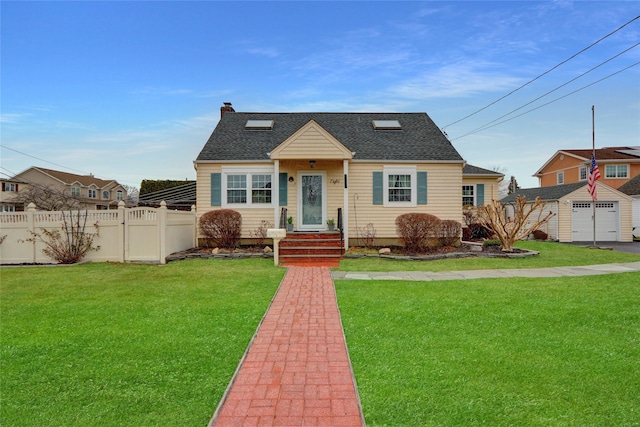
(362,168)
(632,188)
(574,209)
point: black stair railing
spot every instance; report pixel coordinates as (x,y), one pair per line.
(341,231)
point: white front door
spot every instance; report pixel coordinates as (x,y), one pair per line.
(312,201)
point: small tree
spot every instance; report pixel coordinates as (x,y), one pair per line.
(222,228)
(71,242)
(509,230)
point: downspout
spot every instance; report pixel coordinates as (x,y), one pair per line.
(345,204)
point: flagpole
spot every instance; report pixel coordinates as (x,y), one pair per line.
(593,153)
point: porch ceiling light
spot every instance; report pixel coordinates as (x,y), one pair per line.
(312,164)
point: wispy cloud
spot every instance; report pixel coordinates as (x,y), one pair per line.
(456,81)
(162,91)
(11,118)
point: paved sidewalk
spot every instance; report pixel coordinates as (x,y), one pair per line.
(297,370)
(586,270)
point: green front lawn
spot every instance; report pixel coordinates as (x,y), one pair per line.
(507,352)
(551,255)
(135,345)
(129,345)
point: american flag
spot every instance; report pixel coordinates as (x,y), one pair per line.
(594,175)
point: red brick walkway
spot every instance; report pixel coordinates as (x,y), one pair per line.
(297,370)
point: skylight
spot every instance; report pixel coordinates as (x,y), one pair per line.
(259,124)
(386,125)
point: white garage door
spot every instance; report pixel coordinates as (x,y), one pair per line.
(606,221)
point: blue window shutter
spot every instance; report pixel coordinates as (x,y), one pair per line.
(480,196)
(216,189)
(283,183)
(378,188)
(422,188)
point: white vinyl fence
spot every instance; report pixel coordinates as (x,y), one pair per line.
(124,234)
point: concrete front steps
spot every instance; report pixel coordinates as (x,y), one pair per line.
(311,249)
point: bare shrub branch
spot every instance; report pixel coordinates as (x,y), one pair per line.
(524,222)
(71,242)
(418,231)
(221,228)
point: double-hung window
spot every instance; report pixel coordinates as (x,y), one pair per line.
(251,189)
(400,186)
(616,171)
(119,195)
(92,193)
(468,198)
(75,191)
(560,178)
(583,173)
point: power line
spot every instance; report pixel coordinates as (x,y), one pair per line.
(550,102)
(42,160)
(543,74)
(485,126)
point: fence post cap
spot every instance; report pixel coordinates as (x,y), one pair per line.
(31,206)
(121,204)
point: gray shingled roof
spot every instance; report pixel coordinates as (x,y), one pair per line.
(419,139)
(555,192)
(631,187)
(475,170)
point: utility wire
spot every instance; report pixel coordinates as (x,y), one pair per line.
(550,102)
(42,160)
(485,126)
(543,74)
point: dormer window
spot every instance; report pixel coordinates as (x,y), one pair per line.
(386,125)
(259,125)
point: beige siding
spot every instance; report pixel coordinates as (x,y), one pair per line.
(605,194)
(490,187)
(311,142)
(444,198)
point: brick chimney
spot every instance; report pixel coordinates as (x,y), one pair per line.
(226,108)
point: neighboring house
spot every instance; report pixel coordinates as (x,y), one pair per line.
(617,166)
(10,189)
(86,191)
(632,188)
(372,167)
(180,197)
(574,209)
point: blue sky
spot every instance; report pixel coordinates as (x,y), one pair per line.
(132,90)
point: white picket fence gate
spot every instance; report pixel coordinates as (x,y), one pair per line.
(124,235)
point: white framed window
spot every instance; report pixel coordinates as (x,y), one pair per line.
(468,195)
(119,195)
(560,178)
(400,186)
(7,208)
(10,187)
(616,171)
(75,191)
(105,195)
(92,193)
(582,173)
(247,188)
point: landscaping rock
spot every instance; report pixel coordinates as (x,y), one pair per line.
(215,251)
(384,251)
(267,250)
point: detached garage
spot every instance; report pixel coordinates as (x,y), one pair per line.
(574,212)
